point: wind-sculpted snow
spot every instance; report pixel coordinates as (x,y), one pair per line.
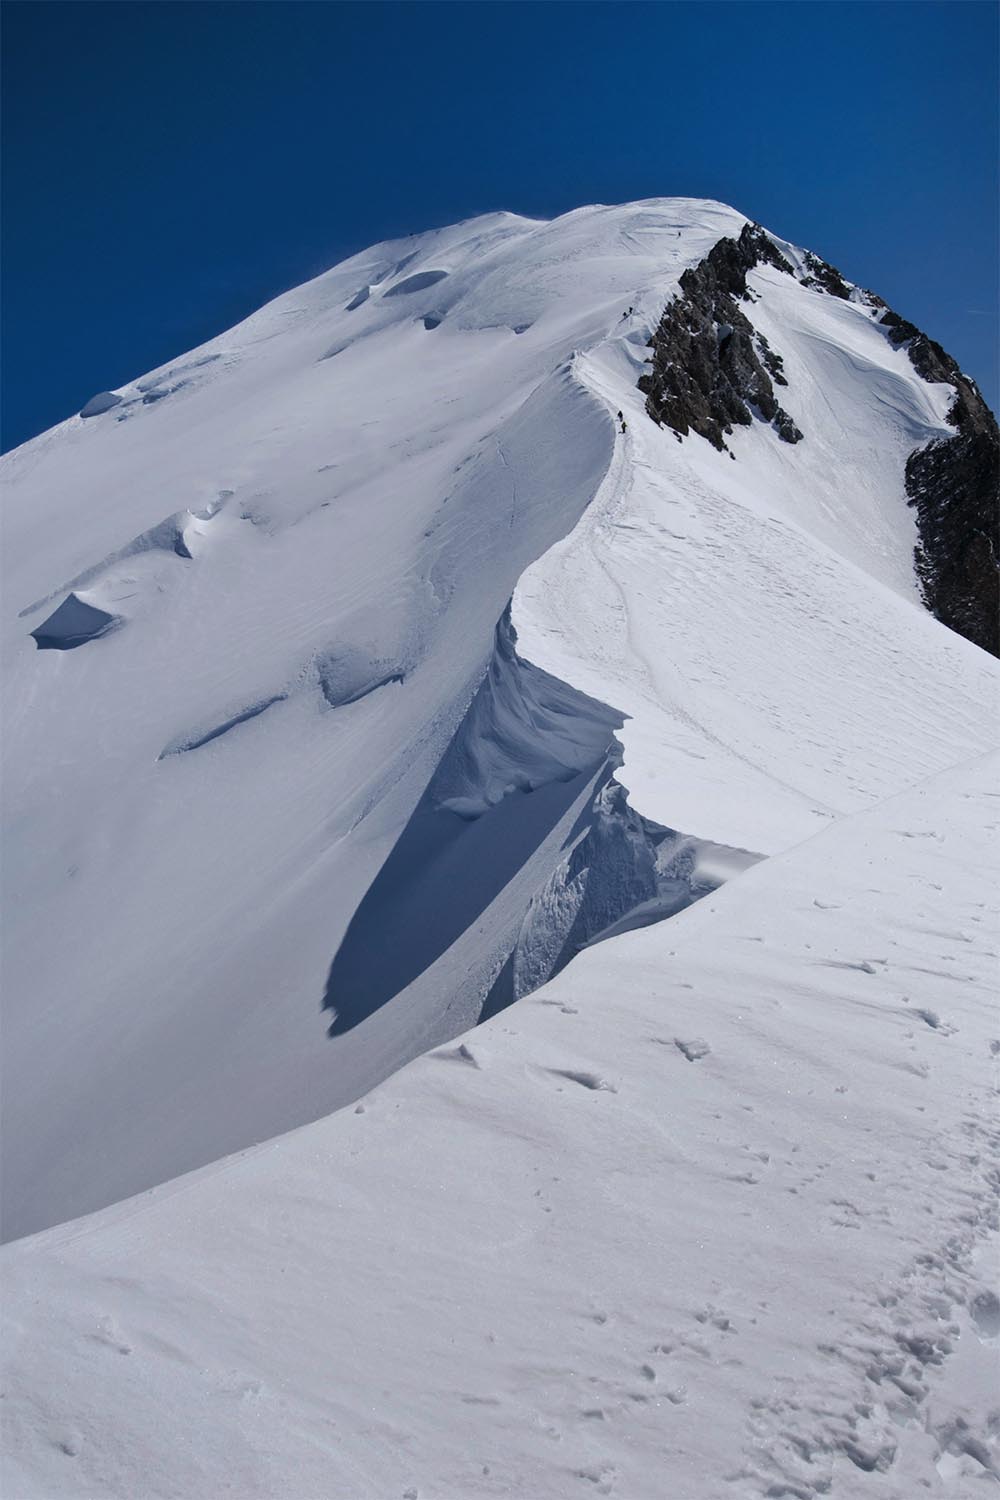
(102,402)
(345,675)
(195,740)
(177,534)
(74,623)
(416,283)
(525,787)
(515,784)
(714,1213)
(306,558)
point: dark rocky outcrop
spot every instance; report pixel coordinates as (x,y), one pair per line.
(711,371)
(772,362)
(710,367)
(954,484)
(822,274)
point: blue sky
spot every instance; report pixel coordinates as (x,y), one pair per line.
(169,166)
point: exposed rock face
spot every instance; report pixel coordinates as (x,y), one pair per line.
(822,274)
(711,368)
(954,484)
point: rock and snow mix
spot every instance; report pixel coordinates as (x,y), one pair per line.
(286,806)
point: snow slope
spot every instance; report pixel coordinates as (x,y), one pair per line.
(713,1214)
(247,608)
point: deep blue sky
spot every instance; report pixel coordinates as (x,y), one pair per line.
(170,166)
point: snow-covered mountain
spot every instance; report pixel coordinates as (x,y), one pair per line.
(505,588)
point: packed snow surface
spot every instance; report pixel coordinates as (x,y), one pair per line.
(712,1214)
(293,793)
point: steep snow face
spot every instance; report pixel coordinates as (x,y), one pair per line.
(712,369)
(272,574)
(772,680)
(714,1213)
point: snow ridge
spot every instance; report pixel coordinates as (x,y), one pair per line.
(714,1212)
(523,844)
(405,704)
(211,795)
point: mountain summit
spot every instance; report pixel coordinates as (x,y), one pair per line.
(333,646)
(393,658)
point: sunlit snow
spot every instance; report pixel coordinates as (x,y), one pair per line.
(288,805)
